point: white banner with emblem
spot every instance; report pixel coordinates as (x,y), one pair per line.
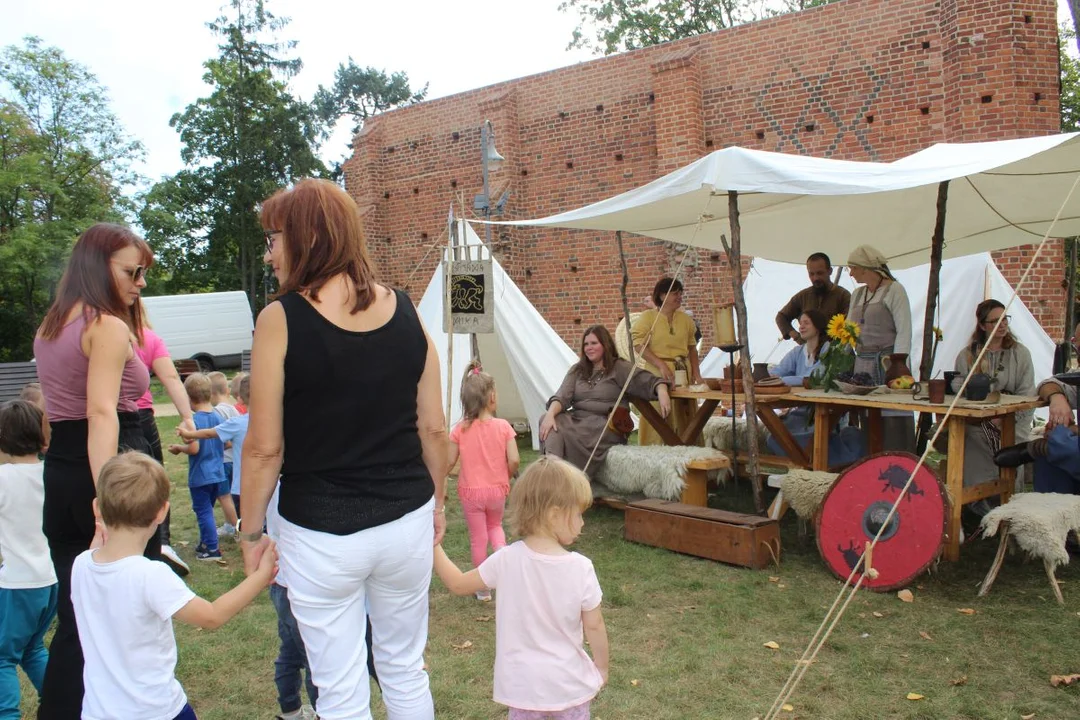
(472,307)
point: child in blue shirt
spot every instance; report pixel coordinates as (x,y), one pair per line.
(233,430)
(206,474)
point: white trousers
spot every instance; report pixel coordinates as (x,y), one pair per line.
(334,581)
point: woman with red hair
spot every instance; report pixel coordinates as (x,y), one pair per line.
(91,379)
(363,467)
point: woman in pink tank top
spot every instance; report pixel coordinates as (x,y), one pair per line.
(91,379)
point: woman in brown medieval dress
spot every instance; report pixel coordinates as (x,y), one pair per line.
(578,412)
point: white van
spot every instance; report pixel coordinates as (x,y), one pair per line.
(211,328)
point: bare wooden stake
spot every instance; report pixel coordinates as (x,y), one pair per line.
(625,304)
(734,254)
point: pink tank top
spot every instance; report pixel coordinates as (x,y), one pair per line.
(62,368)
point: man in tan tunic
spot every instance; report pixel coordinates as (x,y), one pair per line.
(822,295)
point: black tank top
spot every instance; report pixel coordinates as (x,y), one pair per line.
(352,451)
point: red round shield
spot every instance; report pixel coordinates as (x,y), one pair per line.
(857,505)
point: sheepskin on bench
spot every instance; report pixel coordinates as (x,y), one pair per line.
(1040,524)
(805,490)
(657,471)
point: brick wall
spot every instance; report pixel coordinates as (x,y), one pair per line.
(860,80)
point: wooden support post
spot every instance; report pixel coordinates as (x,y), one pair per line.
(625,304)
(933,290)
(734,254)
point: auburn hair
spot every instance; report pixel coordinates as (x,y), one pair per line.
(584,366)
(323,237)
(89,279)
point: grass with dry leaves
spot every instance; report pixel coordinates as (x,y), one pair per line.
(688,636)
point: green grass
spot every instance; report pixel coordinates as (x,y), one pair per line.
(687,635)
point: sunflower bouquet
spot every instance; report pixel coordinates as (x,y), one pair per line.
(839,358)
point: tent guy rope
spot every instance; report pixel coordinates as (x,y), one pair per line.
(830,621)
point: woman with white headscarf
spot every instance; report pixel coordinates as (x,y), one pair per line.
(880,307)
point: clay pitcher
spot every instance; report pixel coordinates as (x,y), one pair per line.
(761,371)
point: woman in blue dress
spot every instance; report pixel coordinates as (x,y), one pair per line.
(846,444)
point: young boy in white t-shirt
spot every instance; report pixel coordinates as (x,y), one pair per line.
(28,589)
(124,603)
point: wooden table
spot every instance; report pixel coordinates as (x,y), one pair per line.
(959,495)
(826,404)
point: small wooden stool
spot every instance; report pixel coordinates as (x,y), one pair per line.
(1040,524)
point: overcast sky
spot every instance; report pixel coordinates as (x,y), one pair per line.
(149,53)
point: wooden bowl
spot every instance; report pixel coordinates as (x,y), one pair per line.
(849,389)
(713,383)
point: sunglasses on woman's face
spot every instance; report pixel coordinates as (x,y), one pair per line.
(136,273)
(989,322)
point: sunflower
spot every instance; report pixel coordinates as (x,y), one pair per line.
(836,326)
(854,329)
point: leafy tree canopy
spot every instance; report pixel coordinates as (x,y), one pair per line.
(64,162)
(620,25)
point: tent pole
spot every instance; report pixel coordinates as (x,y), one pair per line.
(622,289)
(926,366)
(734,253)
(1070,297)
(448,320)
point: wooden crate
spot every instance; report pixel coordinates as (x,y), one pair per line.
(748,540)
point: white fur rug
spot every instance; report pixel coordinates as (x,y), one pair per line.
(656,471)
(805,490)
(1039,522)
(717,434)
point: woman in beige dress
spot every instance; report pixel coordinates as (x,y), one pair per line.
(578,412)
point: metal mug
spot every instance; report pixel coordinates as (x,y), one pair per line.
(952,381)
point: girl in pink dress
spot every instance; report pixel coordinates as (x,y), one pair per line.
(489,457)
(549,598)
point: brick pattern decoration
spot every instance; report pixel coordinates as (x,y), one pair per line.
(860,80)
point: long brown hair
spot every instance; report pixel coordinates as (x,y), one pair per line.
(585,366)
(817,319)
(89,279)
(323,238)
(980,336)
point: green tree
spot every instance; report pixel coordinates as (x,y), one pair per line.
(359,93)
(1069,79)
(242,142)
(620,25)
(64,162)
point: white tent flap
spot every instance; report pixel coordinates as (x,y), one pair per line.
(525,355)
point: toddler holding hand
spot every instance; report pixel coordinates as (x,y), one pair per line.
(547,597)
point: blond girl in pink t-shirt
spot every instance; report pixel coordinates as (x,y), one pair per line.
(549,598)
(489,457)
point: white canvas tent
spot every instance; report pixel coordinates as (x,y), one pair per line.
(525,355)
(1009,194)
(965,282)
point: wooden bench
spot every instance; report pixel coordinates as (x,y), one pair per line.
(186,367)
(14,377)
(748,540)
(661,471)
